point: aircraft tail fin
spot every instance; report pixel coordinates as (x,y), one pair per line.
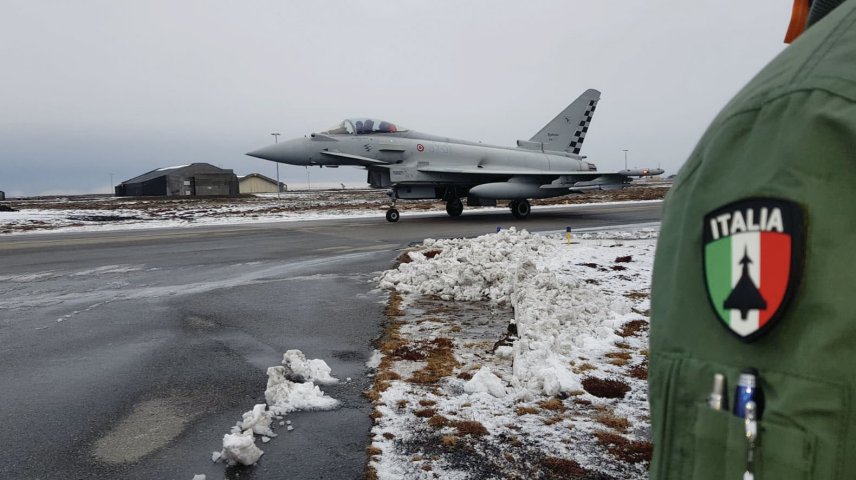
(567,131)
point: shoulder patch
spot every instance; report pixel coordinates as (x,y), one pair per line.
(753,252)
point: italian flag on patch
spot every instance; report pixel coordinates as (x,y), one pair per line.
(749,262)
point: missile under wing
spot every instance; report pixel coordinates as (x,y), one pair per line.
(414,165)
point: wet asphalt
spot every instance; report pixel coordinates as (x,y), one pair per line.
(129,354)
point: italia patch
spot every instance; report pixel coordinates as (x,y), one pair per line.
(753,252)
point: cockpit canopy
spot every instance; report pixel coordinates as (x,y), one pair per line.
(363,126)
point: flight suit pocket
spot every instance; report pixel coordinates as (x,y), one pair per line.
(721,448)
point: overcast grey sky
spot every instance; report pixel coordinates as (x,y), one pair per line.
(93,88)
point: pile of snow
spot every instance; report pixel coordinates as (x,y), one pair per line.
(566,302)
(290,387)
(555,317)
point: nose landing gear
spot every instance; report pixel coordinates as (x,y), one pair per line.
(392,215)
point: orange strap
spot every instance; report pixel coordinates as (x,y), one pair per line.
(799,18)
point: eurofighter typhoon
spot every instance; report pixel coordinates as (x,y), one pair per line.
(414,165)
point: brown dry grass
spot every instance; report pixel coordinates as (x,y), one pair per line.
(582,368)
(526,411)
(449,440)
(637,295)
(393,305)
(633,328)
(438,421)
(371,473)
(564,468)
(441,362)
(619,355)
(552,420)
(372,450)
(470,427)
(425,412)
(427,403)
(388,435)
(611,420)
(553,404)
(626,450)
(639,371)
(605,387)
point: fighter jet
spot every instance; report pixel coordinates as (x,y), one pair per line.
(414,165)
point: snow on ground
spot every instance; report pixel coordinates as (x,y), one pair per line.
(515,355)
(290,387)
(91,213)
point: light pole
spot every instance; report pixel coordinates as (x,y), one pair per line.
(625,159)
(276,140)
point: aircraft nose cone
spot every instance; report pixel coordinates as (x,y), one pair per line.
(271,152)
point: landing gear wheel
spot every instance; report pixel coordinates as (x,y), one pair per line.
(454,207)
(392,215)
(520,209)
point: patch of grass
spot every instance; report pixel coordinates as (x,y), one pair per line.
(583,367)
(465,375)
(449,441)
(425,413)
(623,345)
(393,305)
(605,387)
(582,401)
(639,371)
(387,376)
(611,420)
(438,421)
(633,328)
(637,295)
(618,358)
(552,420)
(371,473)
(401,404)
(470,427)
(626,259)
(429,254)
(427,403)
(553,404)
(564,468)
(388,435)
(526,411)
(618,267)
(441,361)
(626,450)
(405,352)
(372,450)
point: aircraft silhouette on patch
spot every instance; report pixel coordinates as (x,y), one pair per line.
(745,296)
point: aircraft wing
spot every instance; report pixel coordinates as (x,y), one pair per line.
(508,171)
(348,159)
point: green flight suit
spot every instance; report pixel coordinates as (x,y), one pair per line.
(790,134)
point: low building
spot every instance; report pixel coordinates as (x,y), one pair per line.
(2,195)
(258,183)
(196,179)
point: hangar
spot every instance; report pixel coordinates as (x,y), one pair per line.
(196,179)
(258,183)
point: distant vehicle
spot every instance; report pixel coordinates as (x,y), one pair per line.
(415,165)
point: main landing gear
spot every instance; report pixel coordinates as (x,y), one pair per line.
(520,208)
(392,214)
(454,207)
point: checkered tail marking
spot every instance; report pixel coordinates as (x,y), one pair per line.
(577,140)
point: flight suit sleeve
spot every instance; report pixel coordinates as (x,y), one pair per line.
(799,146)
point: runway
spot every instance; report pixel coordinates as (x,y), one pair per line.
(104,336)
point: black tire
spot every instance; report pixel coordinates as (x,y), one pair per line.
(520,209)
(454,207)
(392,215)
